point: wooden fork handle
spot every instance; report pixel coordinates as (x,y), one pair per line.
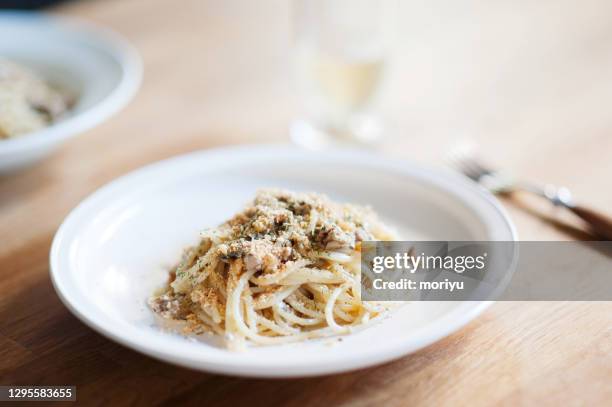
(599,223)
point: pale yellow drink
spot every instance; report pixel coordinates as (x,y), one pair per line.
(339,84)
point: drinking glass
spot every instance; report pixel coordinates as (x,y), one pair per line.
(339,56)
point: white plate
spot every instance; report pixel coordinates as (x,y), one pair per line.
(115,248)
(94,63)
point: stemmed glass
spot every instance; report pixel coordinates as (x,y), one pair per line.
(339,56)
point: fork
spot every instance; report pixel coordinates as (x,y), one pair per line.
(499,182)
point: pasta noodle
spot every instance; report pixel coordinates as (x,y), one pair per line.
(285,269)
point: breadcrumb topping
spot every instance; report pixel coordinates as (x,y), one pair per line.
(278,233)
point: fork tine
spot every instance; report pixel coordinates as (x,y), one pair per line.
(465,161)
(468,163)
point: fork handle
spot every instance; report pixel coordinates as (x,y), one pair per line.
(600,224)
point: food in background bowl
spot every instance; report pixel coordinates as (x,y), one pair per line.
(27,102)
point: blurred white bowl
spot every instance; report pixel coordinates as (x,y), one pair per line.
(95,64)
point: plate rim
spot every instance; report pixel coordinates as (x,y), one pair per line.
(466,312)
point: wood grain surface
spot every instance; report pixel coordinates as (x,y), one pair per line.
(529,81)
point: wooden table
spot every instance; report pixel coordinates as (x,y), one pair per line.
(530,82)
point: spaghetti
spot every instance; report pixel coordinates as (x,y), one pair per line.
(284,269)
